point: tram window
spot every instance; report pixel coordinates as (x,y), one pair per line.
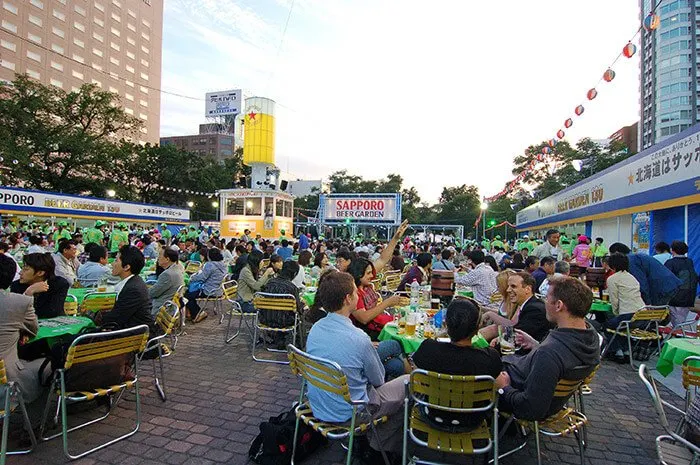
(269,206)
(253,206)
(235,206)
(284,208)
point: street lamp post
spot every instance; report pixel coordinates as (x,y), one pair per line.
(484,207)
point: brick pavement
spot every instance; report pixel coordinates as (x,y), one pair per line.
(217,396)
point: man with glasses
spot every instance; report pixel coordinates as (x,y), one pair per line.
(66,260)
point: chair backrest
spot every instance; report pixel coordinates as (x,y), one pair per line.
(451,393)
(179,294)
(496,297)
(70,306)
(393,279)
(573,379)
(193,266)
(3,373)
(651,314)
(319,372)
(100,346)
(168,317)
(275,302)
(230,290)
(98,301)
(691,372)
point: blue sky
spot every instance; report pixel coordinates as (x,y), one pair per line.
(443,92)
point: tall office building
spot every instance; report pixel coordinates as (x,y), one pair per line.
(115,44)
(669,83)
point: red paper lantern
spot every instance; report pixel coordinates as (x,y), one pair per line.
(546,150)
(540,157)
(560,134)
(629,50)
(609,75)
(591,94)
(568,123)
(579,110)
(552,143)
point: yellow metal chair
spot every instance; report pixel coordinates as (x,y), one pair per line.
(180,301)
(329,377)
(13,398)
(70,306)
(192,266)
(566,421)
(271,304)
(393,279)
(98,302)
(644,326)
(167,320)
(449,394)
(671,448)
(231,295)
(87,353)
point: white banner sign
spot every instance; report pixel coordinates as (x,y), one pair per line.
(668,165)
(67,205)
(365,209)
(225,102)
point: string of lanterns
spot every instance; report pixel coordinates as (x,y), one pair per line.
(650,23)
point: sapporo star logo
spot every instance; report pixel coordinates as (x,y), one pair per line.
(252,115)
(630,178)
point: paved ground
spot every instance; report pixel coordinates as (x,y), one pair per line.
(218,396)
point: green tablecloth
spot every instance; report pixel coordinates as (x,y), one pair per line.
(465,293)
(601,306)
(52,328)
(674,351)
(411,343)
(309,298)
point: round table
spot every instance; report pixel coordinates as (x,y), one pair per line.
(674,351)
(411,343)
(53,328)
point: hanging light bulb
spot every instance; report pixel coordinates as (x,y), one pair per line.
(15,162)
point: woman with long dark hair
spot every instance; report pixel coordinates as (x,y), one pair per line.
(250,280)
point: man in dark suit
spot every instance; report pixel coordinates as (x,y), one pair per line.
(532,317)
(546,269)
(133,305)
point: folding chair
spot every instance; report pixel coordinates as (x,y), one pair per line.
(649,318)
(192,266)
(270,303)
(686,329)
(167,319)
(13,398)
(671,448)
(329,377)
(98,302)
(393,279)
(562,423)
(448,394)
(70,306)
(87,353)
(180,300)
(231,295)
(691,382)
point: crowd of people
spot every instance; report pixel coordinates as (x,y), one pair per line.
(523,284)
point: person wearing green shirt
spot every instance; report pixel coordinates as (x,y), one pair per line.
(283,236)
(599,251)
(192,234)
(95,235)
(486,244)
(566,247)
(166,234)
(118,238)
(497,242)
(61,233)
(525,243)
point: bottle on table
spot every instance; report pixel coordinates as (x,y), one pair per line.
(415,295)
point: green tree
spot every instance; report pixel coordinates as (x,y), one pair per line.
(62,141)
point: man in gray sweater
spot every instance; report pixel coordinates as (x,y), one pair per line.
(527,385)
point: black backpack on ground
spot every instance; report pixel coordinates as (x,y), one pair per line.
(273,446)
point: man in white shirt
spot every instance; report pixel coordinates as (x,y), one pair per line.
(550,248)
(66,262)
